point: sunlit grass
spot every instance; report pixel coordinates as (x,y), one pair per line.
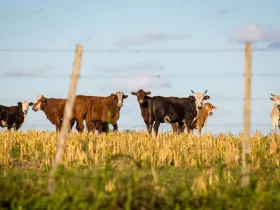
(136,171)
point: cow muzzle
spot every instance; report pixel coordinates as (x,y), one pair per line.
(199,107)
(141,101)
(120,104)
(210,113)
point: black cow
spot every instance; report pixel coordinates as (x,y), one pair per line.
(14,116)
(175,110)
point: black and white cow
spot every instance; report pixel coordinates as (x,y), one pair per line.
(175,110)
(275,112)
(14,116)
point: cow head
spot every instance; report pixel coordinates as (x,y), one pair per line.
(199,98)
(141,94)
(209,108)
(39,103)
(120,96)
(25,105)
(276,99)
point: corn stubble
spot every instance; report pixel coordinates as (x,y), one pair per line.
(215,158)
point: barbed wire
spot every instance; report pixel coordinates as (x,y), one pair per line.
(125,74)
(183,50)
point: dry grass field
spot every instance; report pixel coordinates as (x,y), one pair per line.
(135,171)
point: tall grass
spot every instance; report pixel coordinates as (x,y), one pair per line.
(38,149)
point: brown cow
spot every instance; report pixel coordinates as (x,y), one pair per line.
(53,109)
(103,110)
(201,119)
(143,100)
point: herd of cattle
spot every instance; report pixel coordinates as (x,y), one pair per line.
(97,111)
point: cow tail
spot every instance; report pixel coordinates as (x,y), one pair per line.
(88,115)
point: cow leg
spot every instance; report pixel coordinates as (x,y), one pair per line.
(181,127)
(198,131)
(174,127)
(188,121)
(190,131)
(105,127)
(80,125)
(274,127)
(149,128)
(58,125)
(156,126)
(72,124)
(90,127)
(16,127)
(115,127)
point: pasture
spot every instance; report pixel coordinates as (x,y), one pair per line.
(135,171)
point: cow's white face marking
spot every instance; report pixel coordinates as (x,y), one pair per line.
(199,98)
(37,103)
(25,106)
(120,96)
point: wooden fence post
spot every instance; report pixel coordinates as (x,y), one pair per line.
(247,117)
(66,117)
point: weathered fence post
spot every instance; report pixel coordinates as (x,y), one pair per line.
(66,117)
(247,117)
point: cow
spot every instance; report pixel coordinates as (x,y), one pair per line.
(14,116)
(275,111)
(103,111)
(53,109)
(174,109)
(202,116)
(143,99)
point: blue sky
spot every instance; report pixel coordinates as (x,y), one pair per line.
(146,25)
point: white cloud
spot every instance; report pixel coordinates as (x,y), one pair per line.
(33,72)
(255,33)
(137,82)
(148,37)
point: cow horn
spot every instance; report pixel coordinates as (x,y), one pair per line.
(205,92)
(192,91)
(272,94)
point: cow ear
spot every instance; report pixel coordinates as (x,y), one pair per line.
(19,103)
(133,93)
(272,99)
(30,104)
(148,93)
(214,107)
(206,97)
(125,96)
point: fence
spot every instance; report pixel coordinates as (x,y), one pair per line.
(229,102)
(72,89)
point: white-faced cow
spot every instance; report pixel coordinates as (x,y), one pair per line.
(53,109)
(275,112)
(14,116)
(174,109)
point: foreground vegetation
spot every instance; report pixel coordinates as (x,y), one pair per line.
(134,171)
